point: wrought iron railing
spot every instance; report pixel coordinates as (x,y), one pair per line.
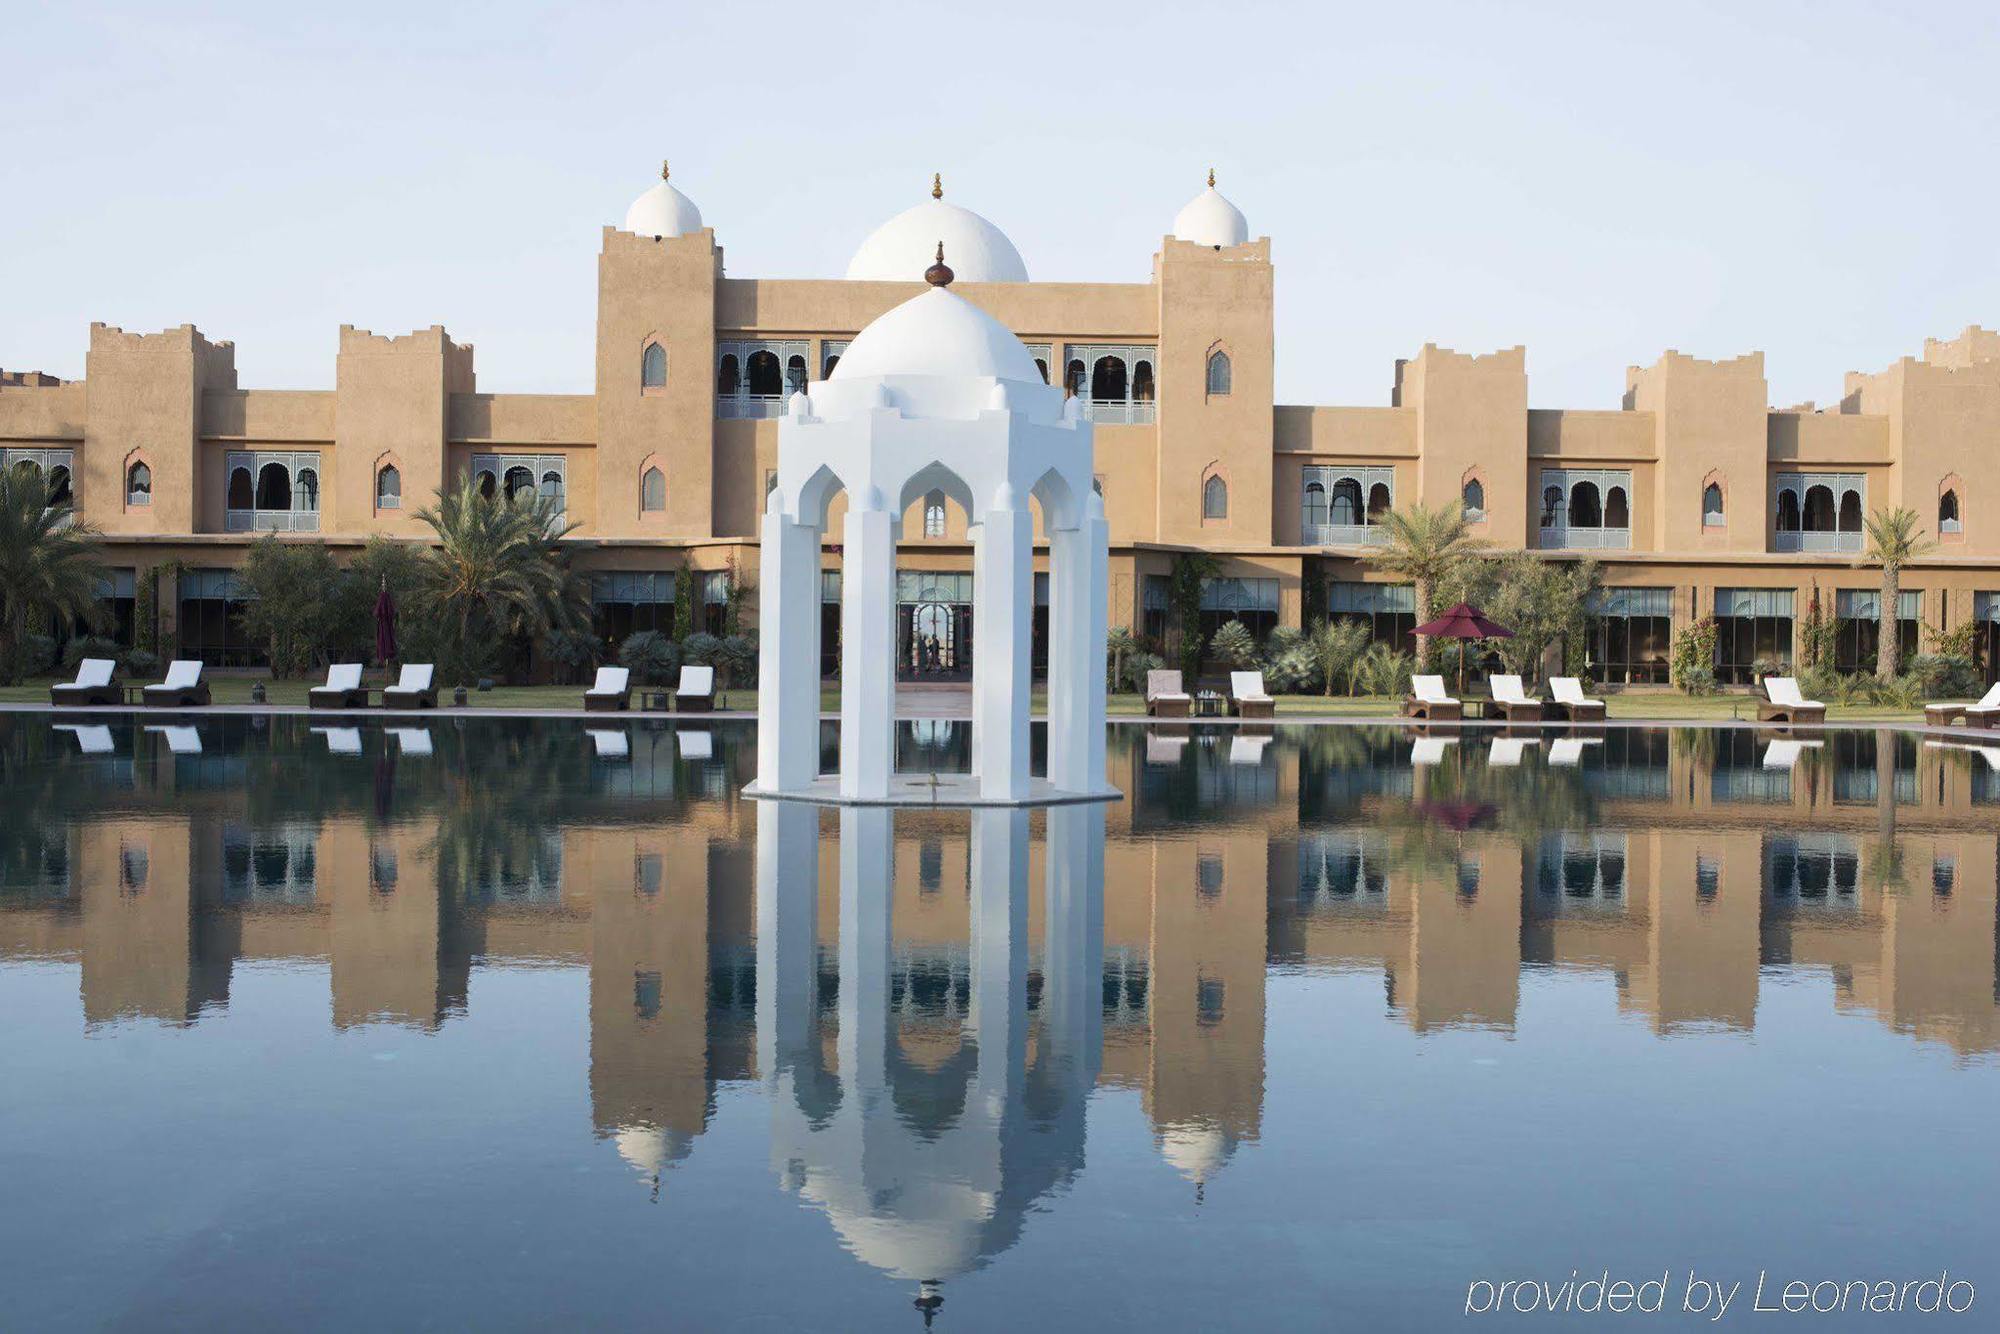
(1586,539)
(1815,542)
(1120,412)
(1344,534)
(272,521)
(757,406)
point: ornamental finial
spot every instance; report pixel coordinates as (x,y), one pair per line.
(938,274)
(663,169)
(937,185)
(1211,178)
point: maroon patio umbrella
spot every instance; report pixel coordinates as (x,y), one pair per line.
(385,625)
(1464,621)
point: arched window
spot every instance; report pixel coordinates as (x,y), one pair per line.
(552,487)
(1042,365)
(653,367)
(1218,373)
(1583,506)
(1073,376)
(59,490)
(138,485)
(487,483)
(1378,501)
(1215,499)
(1819,509)
(1850,512)
(309,488)
(934,514)
(519,481)
(1552,507)
(1617,512)
(1711,506)
(1788,511)
(1107,380)
(1948,520)
(727,376)
(653,491)
(833,359)
(1315,505)
(1474,497)
(1142,382)
(274,487)
(795,374)
(762,375)
(1346,502)
(389,488)
(241,494)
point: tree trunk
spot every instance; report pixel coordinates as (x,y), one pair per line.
(1888,643)
(1422,589)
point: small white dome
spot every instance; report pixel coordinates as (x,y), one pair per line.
(938,333)
(1211,220)
(900,249)
(662,211)
(1196,1152)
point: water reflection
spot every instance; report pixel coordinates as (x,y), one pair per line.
(928,1003)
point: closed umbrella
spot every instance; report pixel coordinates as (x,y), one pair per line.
(1464,621)
(385,625)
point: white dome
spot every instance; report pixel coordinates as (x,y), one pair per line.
(900,249)
(939,333)
(1211,220)
(662,211)
(1196,1152)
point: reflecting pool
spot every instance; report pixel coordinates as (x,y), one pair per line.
(516,1024)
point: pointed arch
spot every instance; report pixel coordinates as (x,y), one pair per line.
(1951,508)
(137,471)
(1219,372)
(1215,493)
(386,480)
(652,489)
(652,365)
(936,476)
(1714,500)
(1472,494)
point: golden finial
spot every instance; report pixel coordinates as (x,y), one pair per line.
(939,274)
(663,169)
(1211,178)
(937,185)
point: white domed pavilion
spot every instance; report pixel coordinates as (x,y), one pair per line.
(1211,220)
(662,211)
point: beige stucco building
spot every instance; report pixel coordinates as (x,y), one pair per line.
(1699,497)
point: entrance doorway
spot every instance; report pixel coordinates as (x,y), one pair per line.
(933,626)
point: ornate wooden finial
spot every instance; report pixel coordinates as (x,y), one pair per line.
(939,274)
(937,185)
(1211,178)
(663,170)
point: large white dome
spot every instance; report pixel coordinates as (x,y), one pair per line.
(662,211)
(938,333)
(900,249)
(1211,220)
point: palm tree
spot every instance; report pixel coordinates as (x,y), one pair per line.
(1427,547)
(1339,644)
(48,559)
(1895,538)
(499,570)
(1119,644)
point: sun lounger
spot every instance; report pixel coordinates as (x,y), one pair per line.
(1428,701)
(1784,754)
(1164,749)
(182,689)
(1782,703)
(696,745)
(412,740)
(1430,749)
(341,740)
(342,689)
(180,740)
(1247,749)
(91,738)
(610,745)
(1572,703)
(696,691)
(1512,701)
(92,685)
(413,689)
(1507,750)
(1247,697)
(1164,696)
(1567,752)
(611,692)
(1984,713)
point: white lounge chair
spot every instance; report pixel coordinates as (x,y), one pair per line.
(1567,751)
(180,739)
(1574,704)
(1429,750)
(1784,754)
(1782,703)
(182,689)
(1164,749)
(1428,701)
(1512,700)
(342,689)
(341,740)
(413,688)
(1992,753)
(412,740)
(1247,750)
(92,685)
(1164,696)
(1247,697)
(1507,750)
(696,691)
(611,692)
(1984,713)
(610,745)
(696,745)
(91,738)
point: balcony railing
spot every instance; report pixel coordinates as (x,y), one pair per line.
(1119,412)
(1344,534)
(272,521)
(1815,543)
(1586,539)
(758,406)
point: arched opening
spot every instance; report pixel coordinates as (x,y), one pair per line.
(274,487)
(1474,497)
(1850,512)
(241,494)
(1584,510)
(1617,513)
(1711,506)
(1215,499)
(833,359)
(1142,382)
(1552,507)
(389,488)
(488,484)
(653,367)
(59,488)
(1315,505)
(138,485)
(1107,380)
(1788,511)
(934,514)
(653,491)
(764,379)
(552,487)
(728,376)
(1819,509)
(1346,512)
(1073,378)
(1378,501)
(1218,373)
(519,481)
(795,374)
(309,488)
(1042,365)
(1948,519)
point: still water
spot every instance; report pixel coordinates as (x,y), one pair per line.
(519,1024)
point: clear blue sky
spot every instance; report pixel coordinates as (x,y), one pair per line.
(1819,181)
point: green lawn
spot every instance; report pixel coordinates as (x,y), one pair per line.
(1662,707)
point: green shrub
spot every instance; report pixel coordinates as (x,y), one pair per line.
(650,656)
(1692,665)
(1383,670)
(735,661)
(571,654)
(1821,682)
(1291,662)
(1234,645)
(88,646)
(1942,676)
(1697,680)
(35,655)
(1136,668)
(138,664)
(292,592)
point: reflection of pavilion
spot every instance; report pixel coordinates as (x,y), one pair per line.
(927,1168)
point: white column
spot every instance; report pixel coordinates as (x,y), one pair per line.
(788,654)
(999,951)
(787,899)
(866,869)
(1004,605)
(868,650)
(1072,1011)
(1079,599)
